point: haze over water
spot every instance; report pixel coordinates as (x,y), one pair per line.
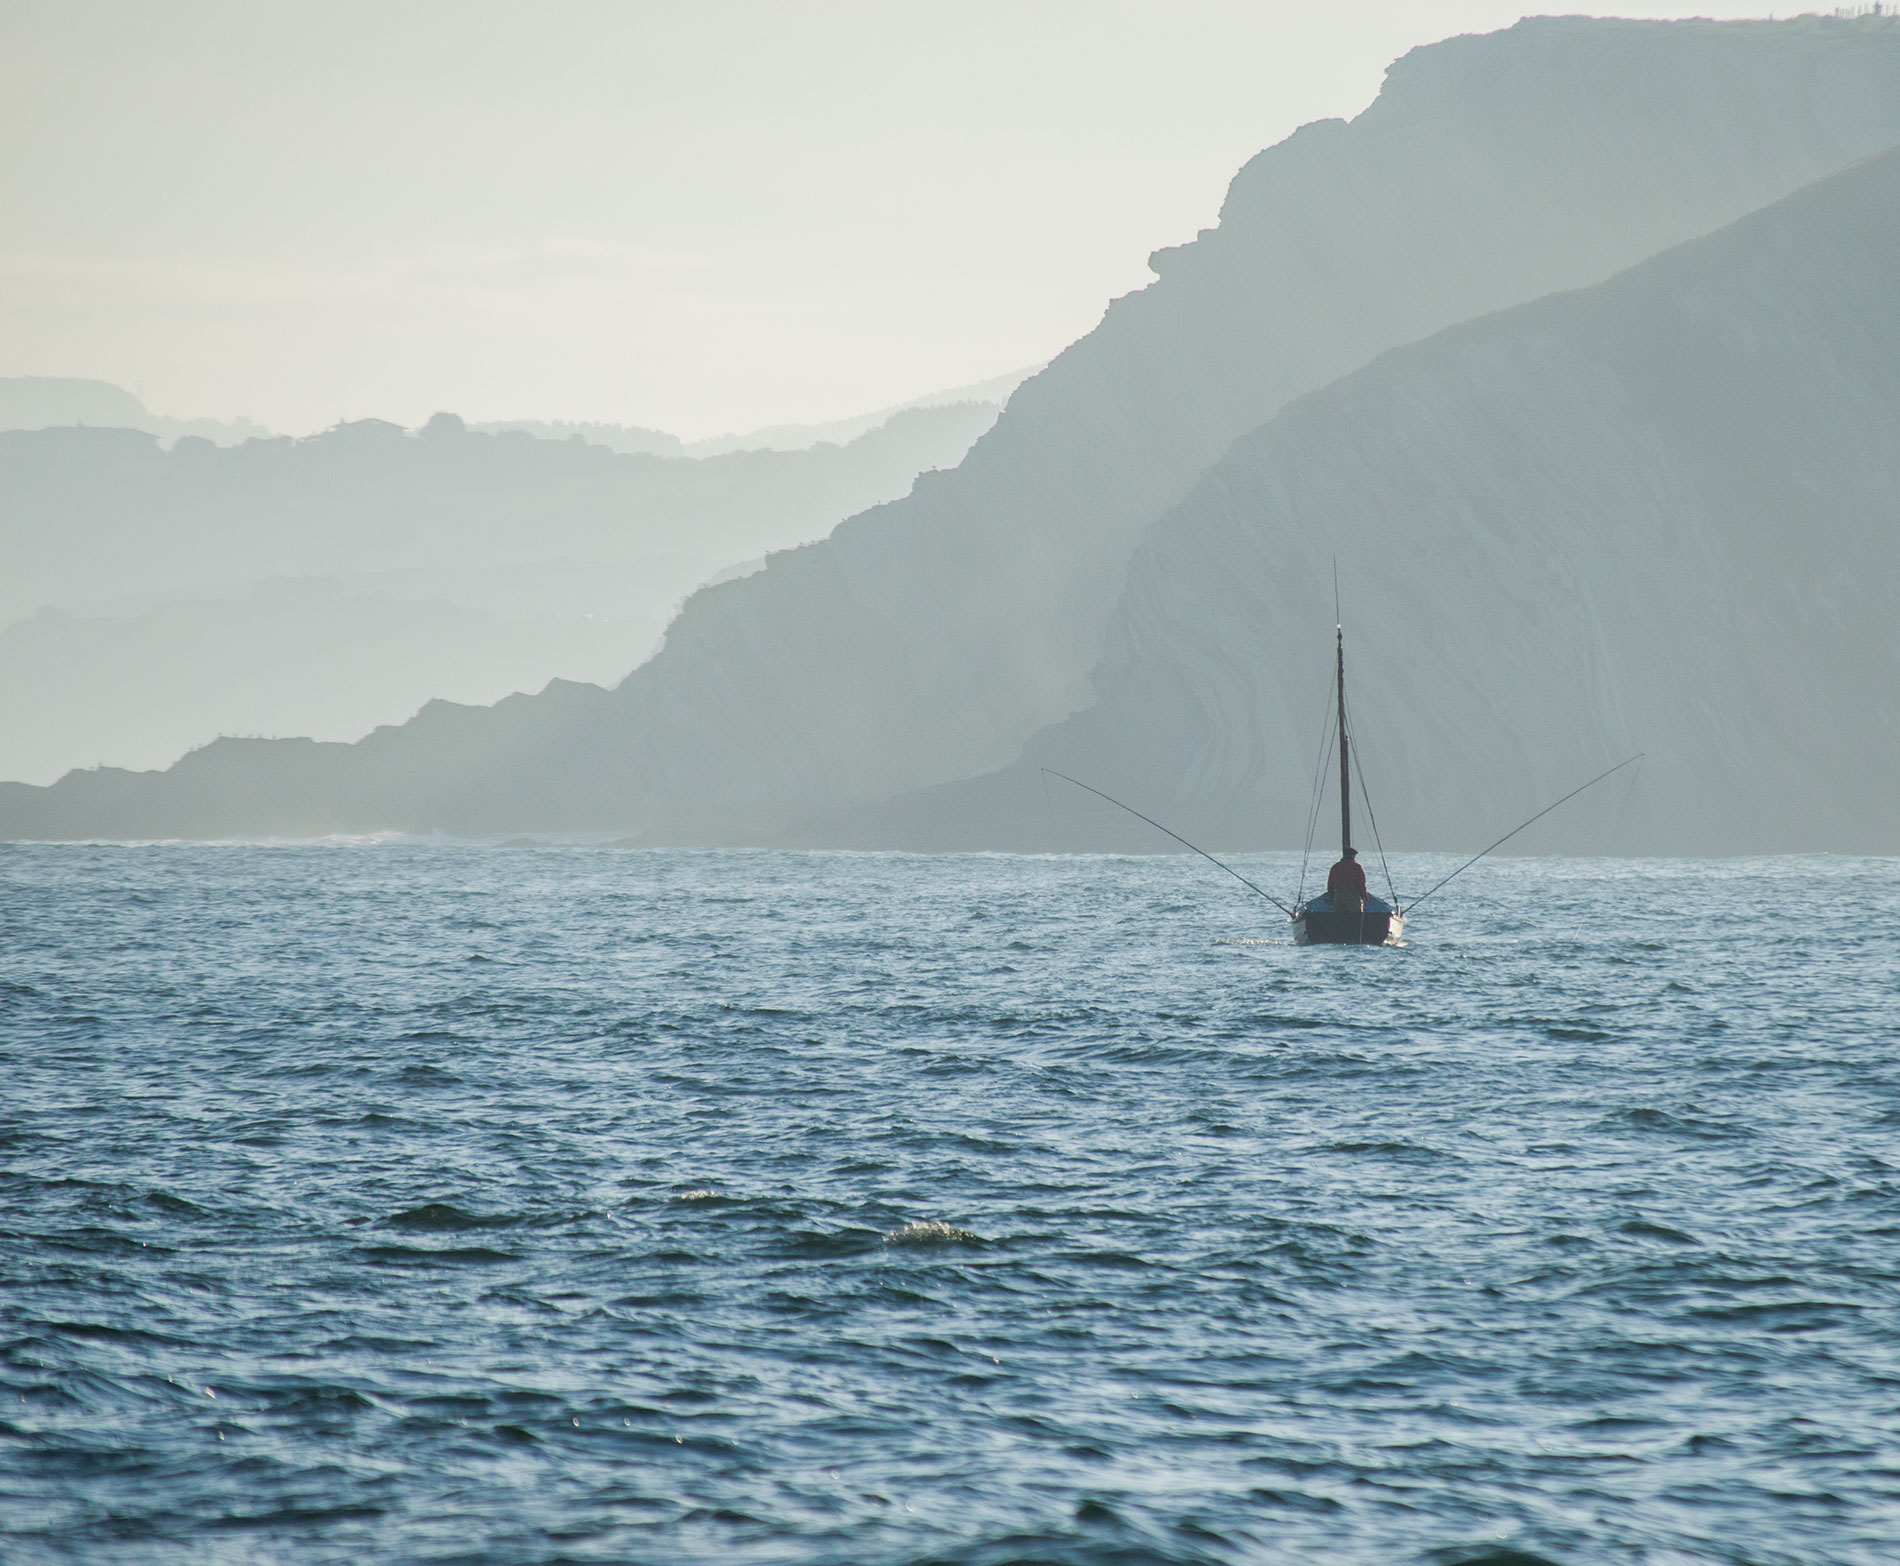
(406,1202)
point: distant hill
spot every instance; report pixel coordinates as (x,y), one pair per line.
(154,612)
(87,515)
(778,437)
(37,402)
(629,439)
(799,437)
(34,402)
(299,656)
(929,639)
(1658,515)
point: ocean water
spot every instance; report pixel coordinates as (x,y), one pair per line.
(397,1202)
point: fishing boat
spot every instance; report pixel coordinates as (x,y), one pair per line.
(1356,917)
(1359,919)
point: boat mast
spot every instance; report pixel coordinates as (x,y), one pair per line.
(1345,774)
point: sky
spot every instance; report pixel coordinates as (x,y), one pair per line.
(699,217)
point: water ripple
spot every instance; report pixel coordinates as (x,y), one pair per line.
(442,1203)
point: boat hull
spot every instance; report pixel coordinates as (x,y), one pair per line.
(1324,927)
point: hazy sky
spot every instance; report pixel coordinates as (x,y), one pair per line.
(702,215)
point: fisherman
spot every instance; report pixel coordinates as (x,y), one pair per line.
(1346,884)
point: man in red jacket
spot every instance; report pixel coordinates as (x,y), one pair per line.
(1346,884)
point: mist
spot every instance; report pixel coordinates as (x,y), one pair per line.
(874,642)
(161,594)
(863,591)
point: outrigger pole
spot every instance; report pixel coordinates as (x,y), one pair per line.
(1408,907)
(1517,829)
(1051,771)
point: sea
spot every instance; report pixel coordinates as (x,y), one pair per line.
(400,1201)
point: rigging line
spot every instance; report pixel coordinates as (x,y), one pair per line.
(1517,829)
(1312,819)
(1373,816)
(1319,799)
(1173,834)
(1319,774)
(1327,739)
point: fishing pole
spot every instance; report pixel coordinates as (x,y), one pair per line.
(1173,834)
(1517,829)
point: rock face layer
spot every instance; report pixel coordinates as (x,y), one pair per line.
(1658,515)
(926,640)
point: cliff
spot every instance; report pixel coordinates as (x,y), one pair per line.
(324,586)
(927,640)
(1659,515)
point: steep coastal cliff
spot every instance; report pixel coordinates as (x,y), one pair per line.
(1658,515)
(927,640)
